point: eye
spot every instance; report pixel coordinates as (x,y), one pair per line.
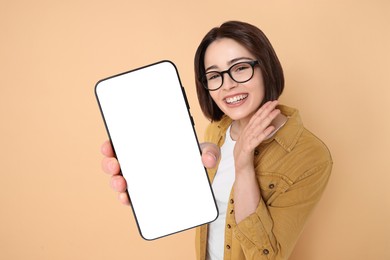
(241,67)
(212,76)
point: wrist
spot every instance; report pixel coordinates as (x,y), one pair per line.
(244,163)
(247,170)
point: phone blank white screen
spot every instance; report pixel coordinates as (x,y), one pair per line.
(152,134)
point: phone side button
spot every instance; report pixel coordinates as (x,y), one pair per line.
(185,97)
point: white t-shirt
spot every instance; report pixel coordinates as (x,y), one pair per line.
(222,185)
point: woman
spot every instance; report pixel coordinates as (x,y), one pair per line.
(267,171)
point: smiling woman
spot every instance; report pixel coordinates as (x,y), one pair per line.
(272,170)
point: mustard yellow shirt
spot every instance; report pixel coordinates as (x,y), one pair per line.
(292,169)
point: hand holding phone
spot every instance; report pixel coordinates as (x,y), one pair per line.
(147,117)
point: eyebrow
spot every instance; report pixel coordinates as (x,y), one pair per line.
(229,63)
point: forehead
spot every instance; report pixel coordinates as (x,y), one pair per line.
(221,51)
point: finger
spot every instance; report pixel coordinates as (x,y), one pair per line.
(106,149)
(212,148)
(264,116)
(264,134)
(209,160)
(261,113)
(266,109)
(269,116)
(259,125)
(262,124)
(269,105)
(261,131)
(124,198)
(210,154)
(118,183)
(110,165)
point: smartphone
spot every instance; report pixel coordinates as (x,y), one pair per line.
(148,120)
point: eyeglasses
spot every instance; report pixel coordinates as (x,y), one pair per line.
(239,72)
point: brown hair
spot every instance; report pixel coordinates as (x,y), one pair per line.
(255,41)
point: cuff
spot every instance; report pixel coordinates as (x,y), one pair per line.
(254,232)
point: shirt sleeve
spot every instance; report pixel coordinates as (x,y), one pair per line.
(273,230)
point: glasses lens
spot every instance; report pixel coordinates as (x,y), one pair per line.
(241,72)
(212,80)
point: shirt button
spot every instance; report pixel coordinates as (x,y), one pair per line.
(231,201)
(265,251)
(227,247)
(271,186)
(231,212)
(257,152)
(228,226)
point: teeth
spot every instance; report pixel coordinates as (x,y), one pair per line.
(235,99)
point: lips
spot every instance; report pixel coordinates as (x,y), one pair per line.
(235,99)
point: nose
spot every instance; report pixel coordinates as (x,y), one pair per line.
(228,83)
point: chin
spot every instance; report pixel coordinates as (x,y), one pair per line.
(237,116)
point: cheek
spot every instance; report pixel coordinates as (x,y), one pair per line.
(214,96)
(259,87)
(217,101)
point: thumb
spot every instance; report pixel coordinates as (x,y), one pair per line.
(210,154)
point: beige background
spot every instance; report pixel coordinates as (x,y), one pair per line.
(56,202)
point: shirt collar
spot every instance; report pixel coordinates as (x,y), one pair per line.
(289,134)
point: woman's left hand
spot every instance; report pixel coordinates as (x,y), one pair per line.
(257,130)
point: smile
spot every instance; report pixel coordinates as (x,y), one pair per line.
(236,99)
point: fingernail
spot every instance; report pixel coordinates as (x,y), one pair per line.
(212,155)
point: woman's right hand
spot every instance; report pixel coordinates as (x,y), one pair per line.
(110,165)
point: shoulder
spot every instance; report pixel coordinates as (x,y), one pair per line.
(312,149)
(305,153)
(309,157)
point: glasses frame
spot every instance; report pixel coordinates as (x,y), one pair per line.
(203,79)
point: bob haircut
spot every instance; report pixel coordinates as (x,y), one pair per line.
(255,41)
